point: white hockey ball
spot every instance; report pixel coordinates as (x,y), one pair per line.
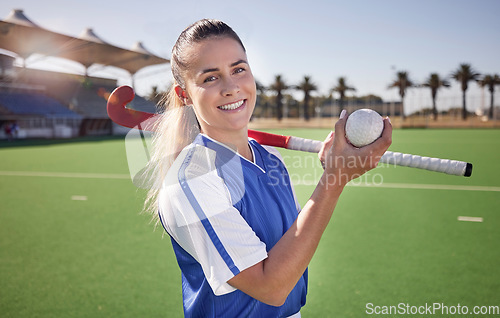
(363,127)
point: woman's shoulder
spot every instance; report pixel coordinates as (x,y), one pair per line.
(193,161)
(192,181)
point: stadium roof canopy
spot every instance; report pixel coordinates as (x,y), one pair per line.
(20,35)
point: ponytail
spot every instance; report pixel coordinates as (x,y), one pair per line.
(175,128)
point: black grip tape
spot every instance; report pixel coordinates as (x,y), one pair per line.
(468,170)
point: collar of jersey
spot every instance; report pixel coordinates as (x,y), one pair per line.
(218,146)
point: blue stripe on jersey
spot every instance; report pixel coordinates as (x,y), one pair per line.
(201,215)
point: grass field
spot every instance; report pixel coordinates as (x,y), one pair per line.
(73,244)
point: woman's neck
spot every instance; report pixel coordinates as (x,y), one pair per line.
(236,140)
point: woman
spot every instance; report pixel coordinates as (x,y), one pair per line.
(226,201)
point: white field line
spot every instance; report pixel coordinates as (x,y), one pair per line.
(411,186)
(79,198)
(427,186)
(470,219)
(64,175)
(299,183)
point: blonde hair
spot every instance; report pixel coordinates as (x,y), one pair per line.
(175,128)
(177,125)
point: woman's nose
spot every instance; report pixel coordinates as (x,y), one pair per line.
(230,87)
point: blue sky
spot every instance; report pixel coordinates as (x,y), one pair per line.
(365,41)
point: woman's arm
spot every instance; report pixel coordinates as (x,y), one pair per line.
(271,280)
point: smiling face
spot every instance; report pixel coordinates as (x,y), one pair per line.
(220,86)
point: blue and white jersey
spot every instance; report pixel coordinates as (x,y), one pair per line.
(224,213)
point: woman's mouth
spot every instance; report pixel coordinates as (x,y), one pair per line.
(232,106)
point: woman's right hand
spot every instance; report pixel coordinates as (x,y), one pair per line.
(344,162)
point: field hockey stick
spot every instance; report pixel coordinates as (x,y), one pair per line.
(126,117)
(453,167)
(130,118)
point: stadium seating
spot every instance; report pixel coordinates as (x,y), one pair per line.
(34,104)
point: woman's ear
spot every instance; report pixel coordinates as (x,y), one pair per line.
(182,95)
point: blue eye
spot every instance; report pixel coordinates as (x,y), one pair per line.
(210,79)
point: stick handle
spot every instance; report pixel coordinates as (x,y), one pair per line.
(302,144)
(453,167)
(288,142)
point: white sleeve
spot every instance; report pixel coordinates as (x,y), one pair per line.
(197,212)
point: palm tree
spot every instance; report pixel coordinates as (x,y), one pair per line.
(463,75)
(307,87)
(279,86)
(261,89)
(434,82)
(490,81)
(402,82)
(342,88)
(261,101)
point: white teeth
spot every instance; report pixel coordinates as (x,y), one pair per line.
(231,106)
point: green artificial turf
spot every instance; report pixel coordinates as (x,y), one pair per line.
(101,258)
